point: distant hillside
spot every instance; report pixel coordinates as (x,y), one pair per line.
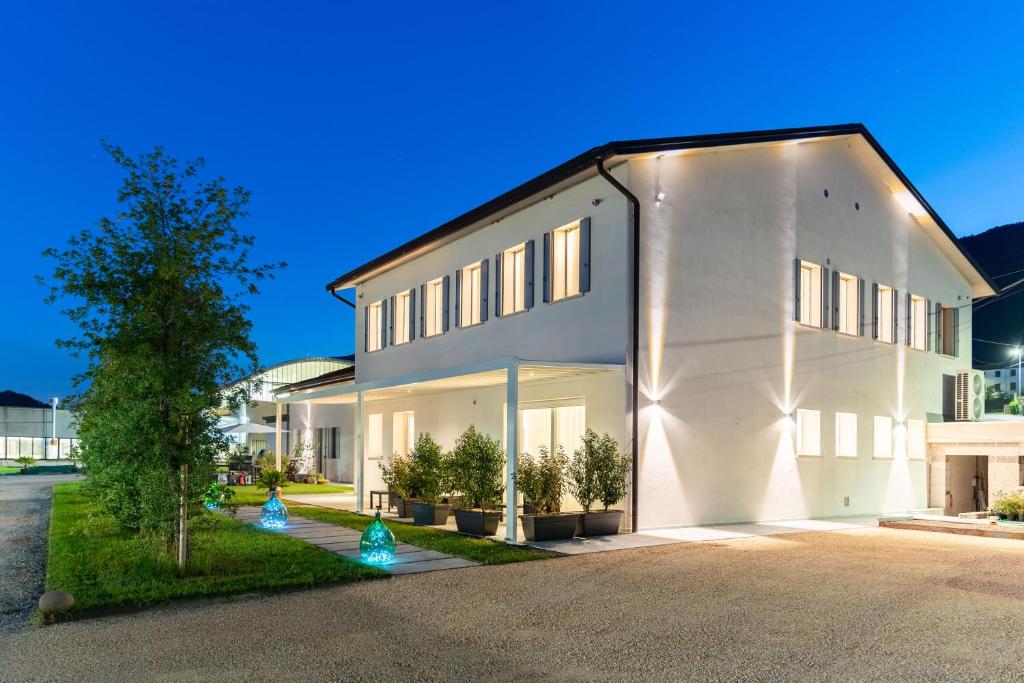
(1000,252)
(12,399)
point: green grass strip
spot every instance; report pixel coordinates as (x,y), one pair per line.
(105,566)
(250,495)
(482,550)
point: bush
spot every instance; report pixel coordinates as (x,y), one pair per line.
(271,479)
(542,480)
(398,476)
(598,471)
(1008,503)
(431,471)
(25,461)
(477,463)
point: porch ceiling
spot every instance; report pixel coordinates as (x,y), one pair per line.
(453,379)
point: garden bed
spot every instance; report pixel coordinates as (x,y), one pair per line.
(105,567)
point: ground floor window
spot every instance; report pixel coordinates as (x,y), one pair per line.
(551,426)
(375,436)
(403,432)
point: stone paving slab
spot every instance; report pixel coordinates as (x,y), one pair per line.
(409,559)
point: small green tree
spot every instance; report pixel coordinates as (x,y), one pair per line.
(542,479)
(25,461)
(598,471)
(477,462)
(158,295)
(398,476)
(431,472)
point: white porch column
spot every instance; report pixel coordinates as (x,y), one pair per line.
(357,460)
(277,436)
(512,453)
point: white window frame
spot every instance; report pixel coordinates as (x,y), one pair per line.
(808,432)
(375,324)
(375,436)
(403,326)
(513,280)
(917,442)
(918,332)
(470,306)
(433,308)
(811,288)
(565,262)
(846,435)
(403,431)
(883,437)
(849,304)
(883,306)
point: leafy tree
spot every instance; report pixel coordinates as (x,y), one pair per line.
(431,470)
(542,479)
(598,471)
(157,293)
(477,462)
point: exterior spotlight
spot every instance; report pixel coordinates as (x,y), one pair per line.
(659,198)
(595,201)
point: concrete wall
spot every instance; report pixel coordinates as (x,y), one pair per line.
(590,328)
(721,352)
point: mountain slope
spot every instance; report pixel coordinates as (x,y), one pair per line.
(1000,252)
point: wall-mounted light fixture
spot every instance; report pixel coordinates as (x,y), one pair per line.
(659,199)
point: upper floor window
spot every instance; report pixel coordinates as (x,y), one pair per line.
(998,373)
(403,313)
(567,261)
(847,293)
(374,329)
(884,323)
(917,322)
(809,281)
(947,322)
(434,304)
(471,294)
(514,279)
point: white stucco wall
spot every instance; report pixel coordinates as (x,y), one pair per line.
(721,352)
(590,328)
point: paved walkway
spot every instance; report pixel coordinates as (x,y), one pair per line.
(409,559)
(24,521)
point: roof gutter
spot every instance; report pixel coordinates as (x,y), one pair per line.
(635,334)
(341,298)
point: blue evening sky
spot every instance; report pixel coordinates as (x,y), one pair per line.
(358,126)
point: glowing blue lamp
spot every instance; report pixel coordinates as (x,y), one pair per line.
(377,544)
(274,514)
(213,497)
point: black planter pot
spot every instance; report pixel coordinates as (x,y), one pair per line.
(599,523)
(427,514)
(404,506)
(476,522)
(549,527)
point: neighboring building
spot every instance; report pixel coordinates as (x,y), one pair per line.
(332,438)
(768,342)
(27,427)
(1003,380)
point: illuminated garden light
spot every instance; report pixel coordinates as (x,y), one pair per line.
(377,544)
(274,514)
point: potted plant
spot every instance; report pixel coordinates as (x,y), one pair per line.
(597,473)
(542,481)
(397,476)
(272,480)
(431,480)
(25,461)
(476,464)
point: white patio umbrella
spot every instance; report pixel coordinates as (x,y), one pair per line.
(247,428)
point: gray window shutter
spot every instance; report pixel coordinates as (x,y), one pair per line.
(874,310)
(835,300)
(906,316)
(412,314)
(956,332)
(938,328)
(458,298)
(895,315)
(928,325)
(528,258)
(391,321)
(497,285)
(796,289)
(824,298)
(585,255)
(861,309)
(444,308)
(383,323)
(547,268)
(485,283)
(423,310)
(366,328)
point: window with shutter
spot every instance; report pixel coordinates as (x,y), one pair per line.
(917,322)
(401,318)
(885,314)
(510,279)
(470,296)
(374,325)
(847,313)
(433,308)
(810,295)
(565,260)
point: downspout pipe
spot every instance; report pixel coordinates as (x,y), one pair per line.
(635,324)
(341,298)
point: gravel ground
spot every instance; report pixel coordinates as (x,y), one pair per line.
(24,519)
(867,604)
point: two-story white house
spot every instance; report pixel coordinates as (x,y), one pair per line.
(763,320)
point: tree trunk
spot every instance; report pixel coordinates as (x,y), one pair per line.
(183,520)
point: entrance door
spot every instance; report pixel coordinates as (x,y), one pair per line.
(966,484)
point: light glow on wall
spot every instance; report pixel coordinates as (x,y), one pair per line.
(909,203)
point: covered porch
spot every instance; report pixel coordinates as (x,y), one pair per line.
(524,403)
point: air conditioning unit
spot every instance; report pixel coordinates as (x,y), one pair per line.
(970,395)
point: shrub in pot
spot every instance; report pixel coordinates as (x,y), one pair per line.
(476,463)
(398,477)
(431,480)
(542,481)
(597,473)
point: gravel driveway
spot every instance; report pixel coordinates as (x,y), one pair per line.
(868,604)
(24,520)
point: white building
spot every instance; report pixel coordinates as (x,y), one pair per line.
(32,428)
(1003,380)
(764,320)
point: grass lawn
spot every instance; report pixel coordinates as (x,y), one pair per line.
(4,469)
(250,495)
(104,566)
(482,550)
